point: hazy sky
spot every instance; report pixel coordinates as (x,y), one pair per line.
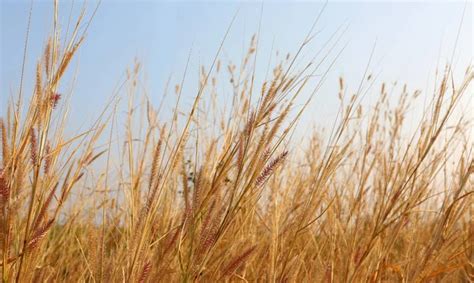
(409,37)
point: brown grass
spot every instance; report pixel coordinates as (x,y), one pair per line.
(202,197)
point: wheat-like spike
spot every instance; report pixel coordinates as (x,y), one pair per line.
(278,123)
(178,155)
(54,99)
(38,235)
(39,84)
(210,229)
(145,272)
(267,171)
(47,159)
(241,153)
(249,125)
(65,62)
(155,164)
(206,226)
(4,142)
(152,194)
(44,208)
(33,147)
(238,261)
(172,239)
(266,155)
(47,57)
(197,192)
(4,188)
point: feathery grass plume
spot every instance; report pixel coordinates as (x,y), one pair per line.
(4,189)
(269,168)
(178,155)
(278,122)
(209,229)
(172,238)
(196,204)
(209,236)
(236,262)
(65,61)
(42,212)
(241,153)
(47,159)
(39,83)
(152,195)
(155,163)
(47,57)
(3,132)
(54,99)
(145,272)
(249,125)
(38,235)
(33,147)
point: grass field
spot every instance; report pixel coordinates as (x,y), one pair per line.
(223,194)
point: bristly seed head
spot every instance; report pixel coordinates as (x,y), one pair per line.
(54,99)
(145,272)
(267,171)
(4,189)
(33,147)
(238,261)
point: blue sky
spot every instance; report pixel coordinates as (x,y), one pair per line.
(410,38)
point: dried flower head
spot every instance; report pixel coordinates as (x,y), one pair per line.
(267,171)
(145,272)
(238,261)
(54,99)
(33,147)
(4,189)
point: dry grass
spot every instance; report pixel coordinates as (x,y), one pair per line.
(202,197)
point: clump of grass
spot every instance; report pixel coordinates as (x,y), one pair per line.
(223,195)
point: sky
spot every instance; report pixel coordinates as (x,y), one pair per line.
(408,39)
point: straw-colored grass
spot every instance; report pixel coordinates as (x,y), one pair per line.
(219,194)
